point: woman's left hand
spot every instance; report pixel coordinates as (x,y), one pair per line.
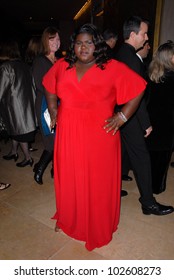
(129,108)
(114,123)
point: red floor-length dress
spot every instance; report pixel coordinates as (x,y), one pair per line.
(87,162)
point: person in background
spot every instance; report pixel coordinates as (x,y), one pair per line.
(142,53)
(33,50)
(17,98)
(135,131)
(110,38)
(161,111)
(145,58)
(50,43)
(87,153)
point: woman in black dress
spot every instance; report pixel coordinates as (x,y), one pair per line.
(161,112)
(50,43)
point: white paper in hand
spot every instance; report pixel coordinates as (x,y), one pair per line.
(48,119)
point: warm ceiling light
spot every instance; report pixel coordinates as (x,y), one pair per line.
(83,9)
(100,14)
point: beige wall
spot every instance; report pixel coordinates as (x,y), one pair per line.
(167,21)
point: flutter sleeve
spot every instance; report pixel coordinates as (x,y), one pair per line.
(128,84)
(52,77)
(49,80)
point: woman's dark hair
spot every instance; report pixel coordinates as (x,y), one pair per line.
(33,49)
(9,49)
(100,52)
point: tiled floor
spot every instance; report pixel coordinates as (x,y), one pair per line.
(27,232)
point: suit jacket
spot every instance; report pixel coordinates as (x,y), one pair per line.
(127,55)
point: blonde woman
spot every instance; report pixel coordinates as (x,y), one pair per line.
(161,112)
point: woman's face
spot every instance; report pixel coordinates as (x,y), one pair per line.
(84,48)
(54,43)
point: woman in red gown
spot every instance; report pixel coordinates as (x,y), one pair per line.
(87,145)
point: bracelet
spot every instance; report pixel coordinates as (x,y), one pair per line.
(122,116)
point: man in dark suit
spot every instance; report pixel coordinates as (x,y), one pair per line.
(110,38)
(134,131)
(142,53)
